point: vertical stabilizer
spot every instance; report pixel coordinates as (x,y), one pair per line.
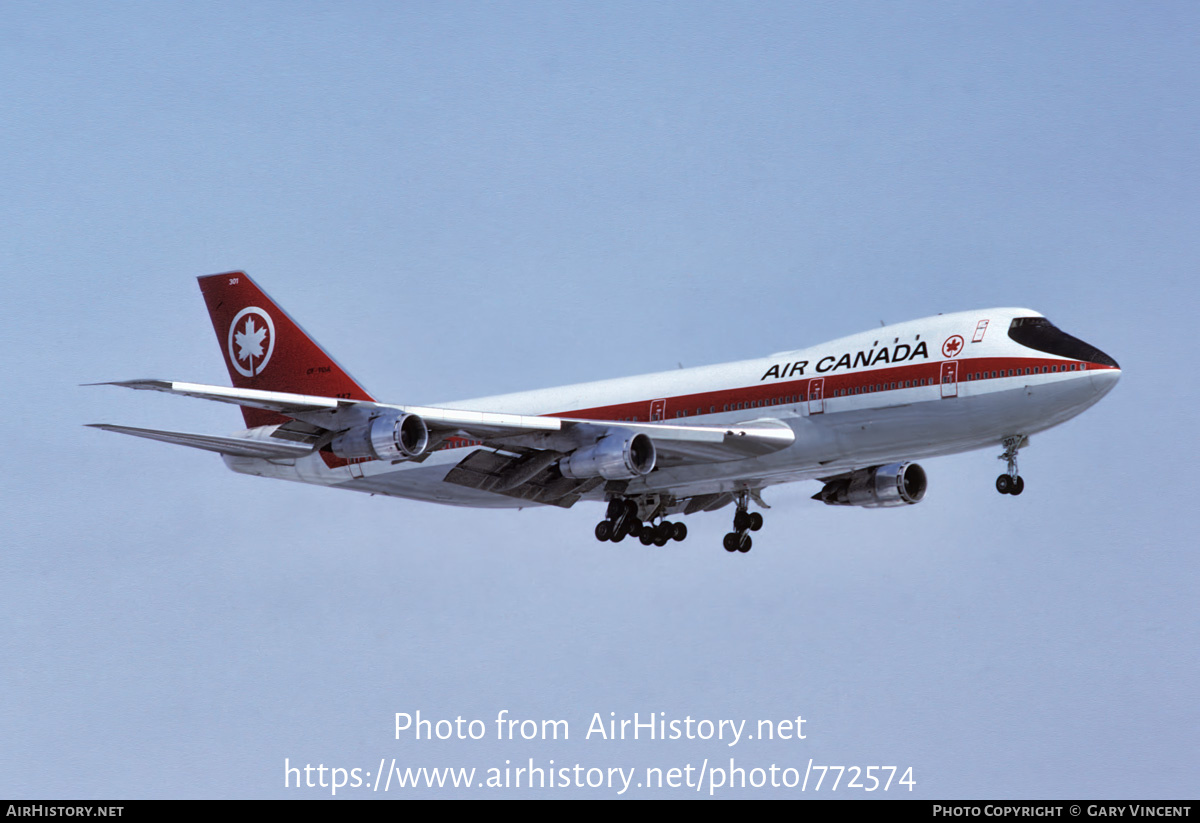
(265,349)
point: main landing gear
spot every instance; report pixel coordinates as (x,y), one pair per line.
(623,520)
(744,521)
(1012,482)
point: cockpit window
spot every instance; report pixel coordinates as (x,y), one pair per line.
(1040,334)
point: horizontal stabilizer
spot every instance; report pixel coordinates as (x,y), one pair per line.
(233,446)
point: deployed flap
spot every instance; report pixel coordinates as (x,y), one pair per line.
(531,477)
(676,443)
(268,449)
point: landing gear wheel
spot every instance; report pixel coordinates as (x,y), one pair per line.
(756,521)
(615,507)
(1010,482)
(604,530)
(647,537)
(636,528)
(679,533)
(738,542)
(741,520)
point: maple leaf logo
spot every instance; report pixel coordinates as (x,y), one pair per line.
(952,346)
(250,341)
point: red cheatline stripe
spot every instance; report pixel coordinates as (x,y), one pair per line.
(775,393)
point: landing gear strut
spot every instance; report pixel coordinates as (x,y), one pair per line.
(743,521)
(623,520)
(1012,482)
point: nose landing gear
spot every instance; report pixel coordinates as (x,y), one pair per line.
(1012,482)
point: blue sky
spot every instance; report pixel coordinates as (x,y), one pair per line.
(459,200)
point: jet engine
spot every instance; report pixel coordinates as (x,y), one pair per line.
(896,484)
(391,436)
(618,455)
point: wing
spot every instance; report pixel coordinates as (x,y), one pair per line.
(543,459)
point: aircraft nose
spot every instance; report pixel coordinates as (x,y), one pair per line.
(1103,380)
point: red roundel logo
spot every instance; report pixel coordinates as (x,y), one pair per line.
(251,341)
(953,346)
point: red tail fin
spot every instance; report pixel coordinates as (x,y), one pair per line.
(265,349)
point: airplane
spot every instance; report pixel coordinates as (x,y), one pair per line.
(852,413)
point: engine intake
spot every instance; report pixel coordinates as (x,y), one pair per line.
(395,436)
(618,455)
(896,484)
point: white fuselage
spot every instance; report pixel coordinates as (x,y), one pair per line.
(928,387)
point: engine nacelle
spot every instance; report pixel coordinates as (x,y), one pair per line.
(618,455)
(391,436)
(896,484)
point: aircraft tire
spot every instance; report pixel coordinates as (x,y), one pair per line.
(745,543)
(731,542)
(756,521)
(604,530)
(1018,486)
(679,533)
(1004,484)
